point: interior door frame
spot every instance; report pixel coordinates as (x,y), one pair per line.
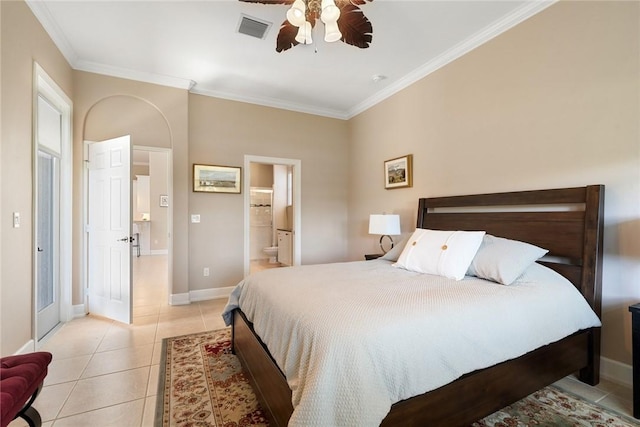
(297,205)
(44,85)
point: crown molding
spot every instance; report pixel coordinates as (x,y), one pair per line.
(141,76)
(519,15)
(274,103)
(42,13)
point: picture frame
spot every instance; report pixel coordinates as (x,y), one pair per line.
(217,179)
(164,201)
(398,172)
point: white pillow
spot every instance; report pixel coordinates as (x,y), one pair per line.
(503,260)
(444,253)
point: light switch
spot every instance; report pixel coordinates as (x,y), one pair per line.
(195,219)
(16,220)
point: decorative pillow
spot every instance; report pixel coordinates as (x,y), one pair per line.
(396,250)
(445,253)
(503,260)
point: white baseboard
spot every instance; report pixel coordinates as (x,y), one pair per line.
(78,311)
(616,372)
(179,299)
(200,295)
(211,293)
(29,347)
(159,252)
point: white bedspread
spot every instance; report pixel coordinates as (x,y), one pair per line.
(354,338)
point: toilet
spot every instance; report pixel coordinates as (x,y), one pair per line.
(272,252)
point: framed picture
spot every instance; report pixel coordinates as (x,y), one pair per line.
(164,201)
(217,179)
(398,172)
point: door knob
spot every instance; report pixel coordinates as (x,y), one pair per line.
(126,239)
(40,250)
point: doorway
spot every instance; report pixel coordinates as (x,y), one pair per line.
(272,209)
(151,200)
(52,205)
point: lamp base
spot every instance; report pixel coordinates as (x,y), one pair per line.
(382,246)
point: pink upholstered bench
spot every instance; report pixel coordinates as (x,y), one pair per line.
(21,379)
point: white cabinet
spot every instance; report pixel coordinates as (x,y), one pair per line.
(285,247)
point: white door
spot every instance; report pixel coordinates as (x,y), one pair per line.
(109,229)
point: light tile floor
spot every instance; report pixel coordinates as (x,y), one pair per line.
(105,373)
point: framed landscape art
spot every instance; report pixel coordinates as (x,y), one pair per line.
(217,179)
(398,172)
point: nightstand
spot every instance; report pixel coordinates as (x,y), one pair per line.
(369,257)
(635,355)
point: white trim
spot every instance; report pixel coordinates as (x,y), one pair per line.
(274,103)
(43,84)
(179,299)
(158,252)
(29,347)
(79,310)
(211,293)
(616,372)
(125,73)
(297,205)
(41,11)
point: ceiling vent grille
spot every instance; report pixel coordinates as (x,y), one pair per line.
(253,27)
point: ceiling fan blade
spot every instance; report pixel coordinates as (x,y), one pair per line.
(268,1)
(355,27)
(341,3)
(286,37)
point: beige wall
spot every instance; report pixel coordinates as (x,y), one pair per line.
(23,41)
(554,102)
(158,175)
(221,133)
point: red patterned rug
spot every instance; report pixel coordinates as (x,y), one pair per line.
(202,384)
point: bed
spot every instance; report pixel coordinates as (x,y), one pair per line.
(568,222)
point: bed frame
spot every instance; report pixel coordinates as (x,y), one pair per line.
(571,230)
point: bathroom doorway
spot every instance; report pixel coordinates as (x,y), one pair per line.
(272,213)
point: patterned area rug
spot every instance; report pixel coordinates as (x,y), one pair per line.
(202,384)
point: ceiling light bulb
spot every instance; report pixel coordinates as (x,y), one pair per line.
(332,32)
(304,34)
(330,12)
(296,15)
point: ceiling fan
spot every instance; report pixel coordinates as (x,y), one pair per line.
(343,20)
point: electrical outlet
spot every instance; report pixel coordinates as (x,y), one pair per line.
(205,272)
(195,219)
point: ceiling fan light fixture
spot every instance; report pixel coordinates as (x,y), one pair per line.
(330,12)
(296,15)
(304,33)
(332,32)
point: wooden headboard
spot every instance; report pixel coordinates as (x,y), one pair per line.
(567,221)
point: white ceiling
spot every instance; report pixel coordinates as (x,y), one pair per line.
(195,45)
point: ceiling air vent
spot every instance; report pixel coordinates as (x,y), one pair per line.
(253,27)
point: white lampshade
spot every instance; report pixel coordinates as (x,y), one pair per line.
(332,32)
(384,224)
(296,15)
(304,34)
(330,12)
